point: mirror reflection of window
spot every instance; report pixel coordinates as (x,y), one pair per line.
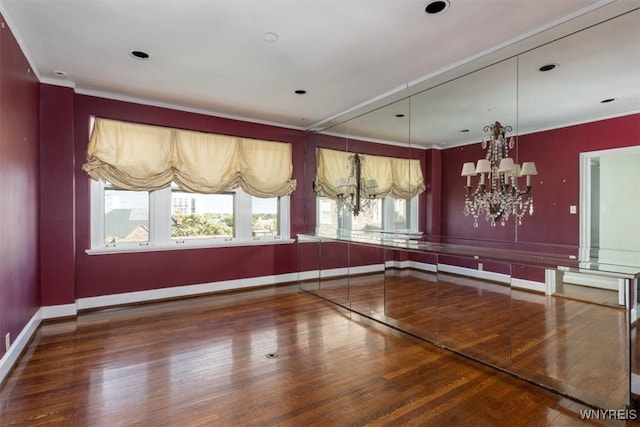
(369,220)
(327,213)
(401,215)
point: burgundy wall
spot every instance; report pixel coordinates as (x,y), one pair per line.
(57,198)
(556,153)
(433,193)
(74,274)
(19,270)
(557,156)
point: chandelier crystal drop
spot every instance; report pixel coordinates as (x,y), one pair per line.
(354,194)
(497,195)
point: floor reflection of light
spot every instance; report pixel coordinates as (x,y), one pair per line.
(117,389)
(209,361)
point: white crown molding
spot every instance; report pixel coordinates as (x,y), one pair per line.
(143,101)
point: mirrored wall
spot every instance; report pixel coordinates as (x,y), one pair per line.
(574,342)
(532,296)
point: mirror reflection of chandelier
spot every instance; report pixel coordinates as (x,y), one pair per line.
(497,194)
(353,192)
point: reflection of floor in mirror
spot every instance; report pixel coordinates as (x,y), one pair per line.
(578,346)
(588,293)
(259,358)
(582,344)
(366,293)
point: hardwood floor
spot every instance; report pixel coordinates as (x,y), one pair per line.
(571,344)
(265,357)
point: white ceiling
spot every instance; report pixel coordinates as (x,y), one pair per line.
(211,56)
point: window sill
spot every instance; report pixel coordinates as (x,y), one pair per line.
(182,246)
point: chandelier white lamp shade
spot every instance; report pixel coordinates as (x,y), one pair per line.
(497,195)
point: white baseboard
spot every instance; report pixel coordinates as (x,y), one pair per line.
(529,285)
(339,272)
(479,274)
(416,265)
(182,291)
(57,311)
(592,280)
(19,344)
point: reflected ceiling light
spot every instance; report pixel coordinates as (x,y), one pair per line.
(270,37)
(353,192)
(436,7)
(139,54)
(497,195)
(547,67)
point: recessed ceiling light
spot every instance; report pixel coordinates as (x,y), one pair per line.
(270,37)
(139,54)
(436,7)
(60,73)
(464,130)
(301,91)
(547,67)
(605,101)
(399,115)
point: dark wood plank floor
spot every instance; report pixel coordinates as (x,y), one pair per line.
(571,344)
(206,361)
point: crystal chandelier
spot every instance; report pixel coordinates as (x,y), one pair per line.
(497,194)
(353,193)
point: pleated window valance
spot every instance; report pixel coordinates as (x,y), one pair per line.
(143,157)
(400,178)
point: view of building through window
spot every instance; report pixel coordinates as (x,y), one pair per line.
(126,216)
(198,216)
(193,215)
(264,217)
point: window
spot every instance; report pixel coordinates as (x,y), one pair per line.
(264,217)
(172,218)
(157,188)
(370,220)
(126,216)
(384,215)
(391,185)
(201,216)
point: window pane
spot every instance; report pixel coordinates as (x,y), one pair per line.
(264,217)
(197,216)
(126,215)
(401,214)
(327,213)
(370,218)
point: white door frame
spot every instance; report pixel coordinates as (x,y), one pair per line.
(585,193)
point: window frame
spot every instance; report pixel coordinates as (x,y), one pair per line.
(160,224)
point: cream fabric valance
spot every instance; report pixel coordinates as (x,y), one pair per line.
(143,157)
(400,178)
